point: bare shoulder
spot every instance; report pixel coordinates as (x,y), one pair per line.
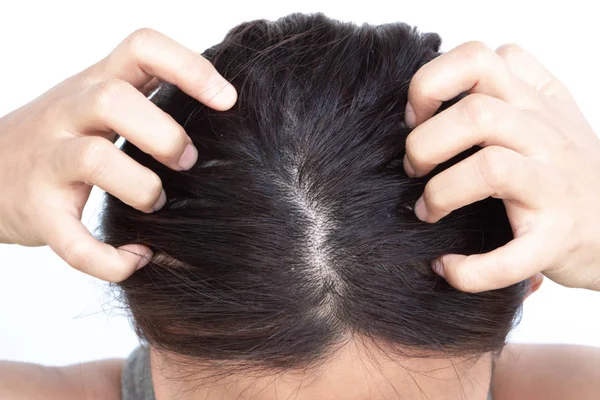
(98,380)
(548,372)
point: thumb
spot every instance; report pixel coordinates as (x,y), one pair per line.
(516,261)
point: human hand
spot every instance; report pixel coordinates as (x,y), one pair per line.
(55,148)
(539,155)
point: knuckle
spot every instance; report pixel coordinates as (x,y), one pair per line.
(420,86)
(411,145)
(92,157)
(137,42)
(465,281)
(147,198)
(416,155)
(78,254)
(475,47)
(494,167)
(105,95)
(434,198)
(172,144)
(476,52)
(510,50)
(478,110)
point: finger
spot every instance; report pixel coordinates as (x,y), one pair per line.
(477,119)
(531,71)
(471,67)
(74,244)
(96,161)
(492,171)
(115,105)
(512,263)
(147,54)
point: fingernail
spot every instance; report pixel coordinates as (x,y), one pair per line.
(188,158)
(144,260)
(420,209)
(410,171)
(143,254)
(220,92)
(438,267)
(160,203)
(409,116)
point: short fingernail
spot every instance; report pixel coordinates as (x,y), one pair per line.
(143,253)
(420,209)
(144,260)
(410,171)
(409,116)
(438,267)
(188,158)
(160,203)
(220,92)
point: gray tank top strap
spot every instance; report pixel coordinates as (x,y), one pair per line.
(136,378)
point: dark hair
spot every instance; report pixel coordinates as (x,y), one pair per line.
(295,230)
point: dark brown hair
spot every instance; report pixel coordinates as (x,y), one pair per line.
(295,230)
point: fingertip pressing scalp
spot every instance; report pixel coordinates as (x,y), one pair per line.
(295,228)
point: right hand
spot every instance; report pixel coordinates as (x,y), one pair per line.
(55,148)
(540,156)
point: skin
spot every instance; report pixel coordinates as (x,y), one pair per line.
(540,156)
(522,372)
(358,371)
(99,380)
(56,147)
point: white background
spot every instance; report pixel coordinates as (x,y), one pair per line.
(52,314)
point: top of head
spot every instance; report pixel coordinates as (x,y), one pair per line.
(295,230)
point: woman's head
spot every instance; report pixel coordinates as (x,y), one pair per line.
(294,235)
